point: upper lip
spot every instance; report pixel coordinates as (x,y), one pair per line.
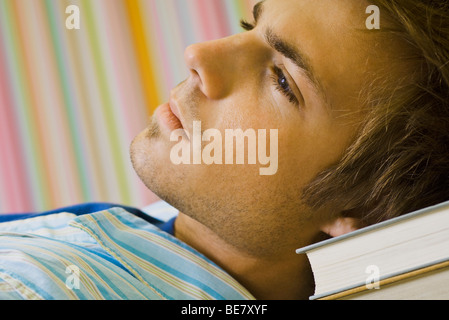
(175,109)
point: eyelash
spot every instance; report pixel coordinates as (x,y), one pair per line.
(279,79)
(281,84)
(246,25)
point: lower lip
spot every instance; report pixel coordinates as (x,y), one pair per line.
(168,118)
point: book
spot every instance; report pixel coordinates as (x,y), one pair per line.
(427,283)
(384,257)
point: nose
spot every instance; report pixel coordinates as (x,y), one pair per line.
(217,65)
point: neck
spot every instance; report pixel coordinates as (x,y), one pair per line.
(284,276)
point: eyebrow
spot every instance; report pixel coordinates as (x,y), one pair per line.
(257,10)
(288,50)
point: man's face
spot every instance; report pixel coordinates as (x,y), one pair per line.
(299,71)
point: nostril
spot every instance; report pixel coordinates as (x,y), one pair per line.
(194,74)
(192,60)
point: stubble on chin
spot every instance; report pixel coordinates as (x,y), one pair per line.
(139,147)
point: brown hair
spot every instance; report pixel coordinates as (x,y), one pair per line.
(400,160)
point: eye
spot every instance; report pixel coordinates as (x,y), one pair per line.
(281,84)
(280,80)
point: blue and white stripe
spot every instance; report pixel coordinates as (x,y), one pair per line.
(118,255)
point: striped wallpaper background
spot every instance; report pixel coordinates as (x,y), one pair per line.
(71,101)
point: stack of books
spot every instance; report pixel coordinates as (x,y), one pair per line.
(402,258)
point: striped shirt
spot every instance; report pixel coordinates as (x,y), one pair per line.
(110,254)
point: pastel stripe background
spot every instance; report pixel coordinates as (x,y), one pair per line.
(71,101)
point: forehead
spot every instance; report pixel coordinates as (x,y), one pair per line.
(333,36)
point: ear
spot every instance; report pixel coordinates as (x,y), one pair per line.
(340,226)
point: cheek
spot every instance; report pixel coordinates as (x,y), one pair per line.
(307,151)
(237,114)
(302,154)
(249,107)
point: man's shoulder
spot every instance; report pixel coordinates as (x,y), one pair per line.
(131,258)
(158,259)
